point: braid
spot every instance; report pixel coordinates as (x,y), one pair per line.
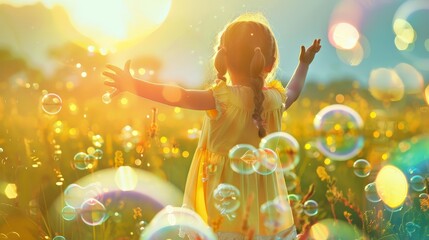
(256,67)
(220,63)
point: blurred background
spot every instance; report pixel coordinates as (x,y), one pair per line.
(76,164)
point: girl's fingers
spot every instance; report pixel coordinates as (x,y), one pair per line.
(109,83)
(111,75)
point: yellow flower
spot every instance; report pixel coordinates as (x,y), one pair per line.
(321,172)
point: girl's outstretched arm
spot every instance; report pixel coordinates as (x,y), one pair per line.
(294,87)
(163,93)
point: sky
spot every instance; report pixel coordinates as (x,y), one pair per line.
(182,33)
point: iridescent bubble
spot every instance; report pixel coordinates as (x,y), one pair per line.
(274,213)
(242,157)
(385,85)
(90,161)
(266,163)
(177,223)
(79,161)
(75,195)
(227,199)
(339,132)
(424,196)
(291,180)
(98,154)
(106,98)
(362,168)
(411,227)
(13,236)
(51,103)
(93,212)
(59,238)
(417,183)
(311,207)
(285,146)
(392,186)
(68,213)
(371,193)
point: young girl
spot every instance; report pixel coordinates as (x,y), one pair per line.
(244,105)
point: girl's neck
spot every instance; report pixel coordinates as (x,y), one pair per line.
(240,79)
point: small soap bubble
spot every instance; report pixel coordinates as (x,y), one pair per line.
(362,168)
(51,103)
(311,207)
(93,212)
(106,98)
(242,157)
(68,213)
(371,193)
(227,198)
(417,183)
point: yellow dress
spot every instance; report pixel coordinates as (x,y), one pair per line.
(231,124)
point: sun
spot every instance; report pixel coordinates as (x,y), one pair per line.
(115,23)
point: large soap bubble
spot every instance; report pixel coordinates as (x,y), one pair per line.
(339,132)
(176,223)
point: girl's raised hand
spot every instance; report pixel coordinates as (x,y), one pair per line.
(307,55)
(122,79)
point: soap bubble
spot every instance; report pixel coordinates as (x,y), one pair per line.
(311,207)
(51,103)
(242,157)
(68,213)
(339,132)
(93,212)
(175,223)
(80,161)
(266,163)
(417,183)
(106,98)
(273,213)
(227,199)
(285,146)
(371,193)
(362,168)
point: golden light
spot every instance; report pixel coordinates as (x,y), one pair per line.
(126,178)
(10,191)
(392,186)
(404,31)
(114,23)
(352,56)
(344,35)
